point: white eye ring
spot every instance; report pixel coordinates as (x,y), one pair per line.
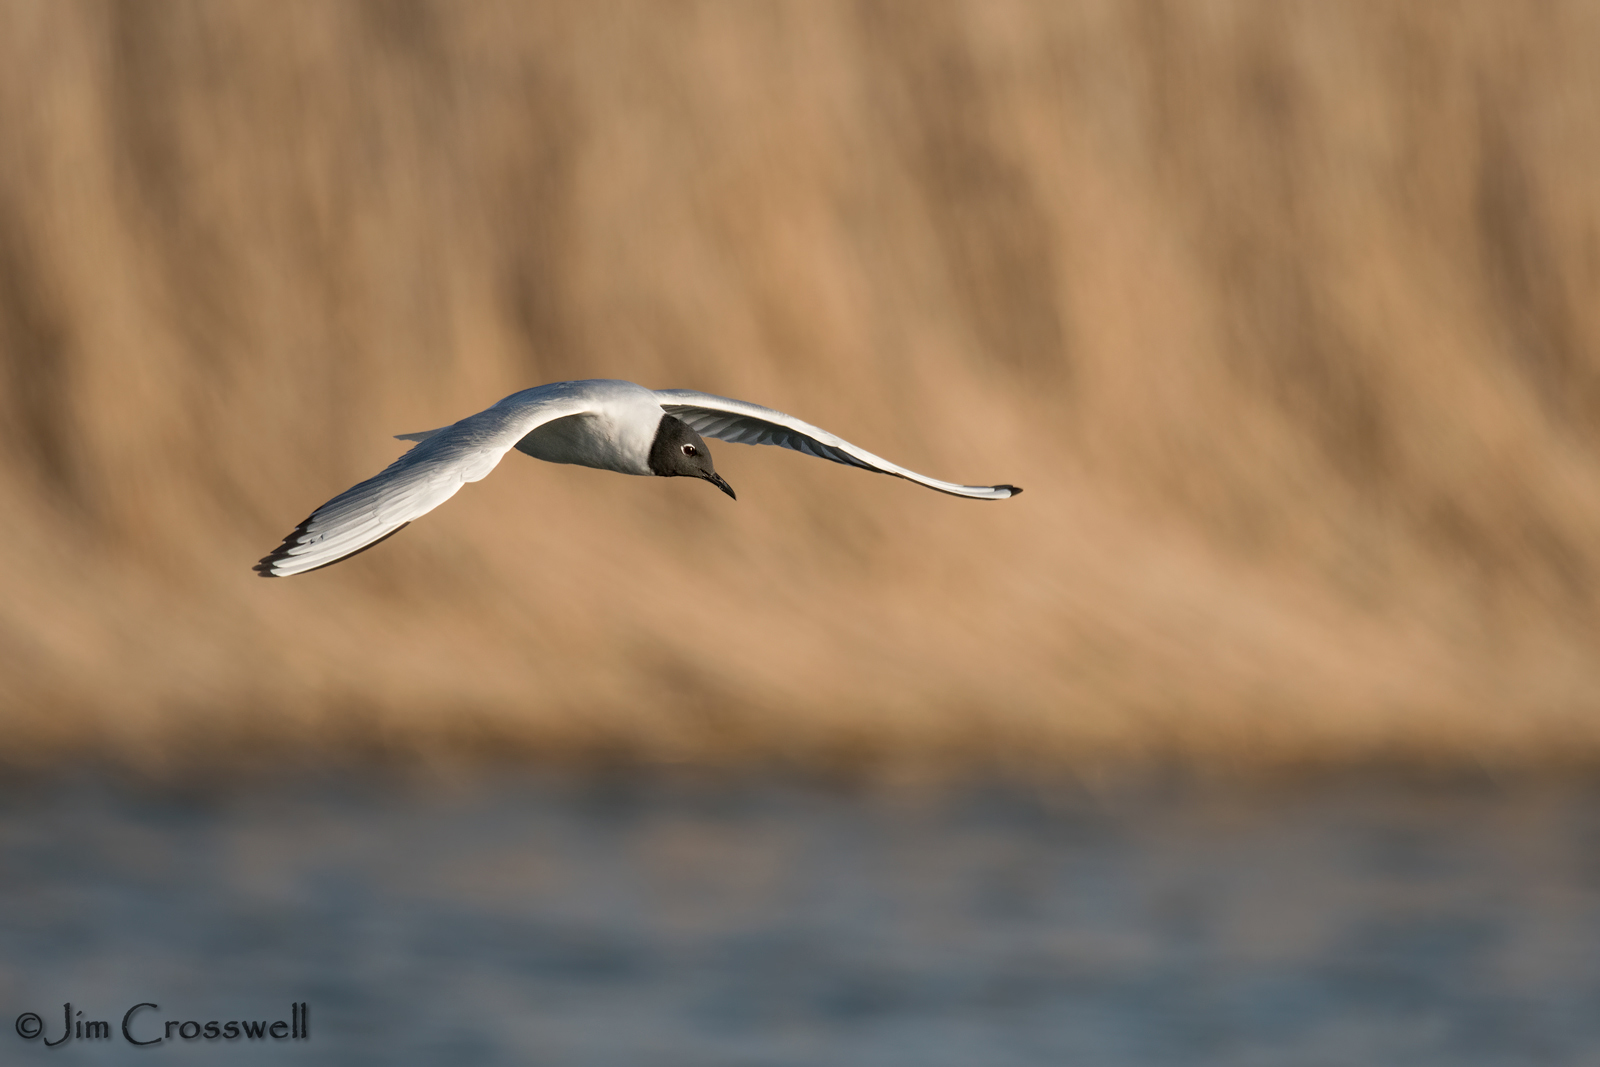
(690,450)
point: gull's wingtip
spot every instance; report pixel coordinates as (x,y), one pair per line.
(1011,490)
(281,553)
(265,565)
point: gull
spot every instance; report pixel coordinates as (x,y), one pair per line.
(609,425)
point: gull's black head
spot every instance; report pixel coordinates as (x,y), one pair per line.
(679,452)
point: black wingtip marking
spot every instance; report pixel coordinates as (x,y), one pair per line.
(264,568)
(1016,490)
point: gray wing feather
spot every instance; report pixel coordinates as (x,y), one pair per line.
(429,474)
(742,423)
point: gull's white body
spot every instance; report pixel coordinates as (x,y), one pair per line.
(618,423)
(601,423)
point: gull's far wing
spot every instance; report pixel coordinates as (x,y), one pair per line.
(413,485)
(751,424)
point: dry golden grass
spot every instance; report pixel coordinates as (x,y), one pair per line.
(1283,313)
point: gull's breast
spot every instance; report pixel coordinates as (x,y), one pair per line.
(614,435)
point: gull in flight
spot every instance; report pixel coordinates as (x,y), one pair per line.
(610,425)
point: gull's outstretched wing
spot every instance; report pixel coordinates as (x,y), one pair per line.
(752,424)
(416,483)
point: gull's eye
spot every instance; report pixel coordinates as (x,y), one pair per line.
(690,450)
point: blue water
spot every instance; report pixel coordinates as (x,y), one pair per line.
(614,921)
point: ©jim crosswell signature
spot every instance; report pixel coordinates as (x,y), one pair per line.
(142,1025)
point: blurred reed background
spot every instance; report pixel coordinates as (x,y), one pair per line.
(1283,314)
